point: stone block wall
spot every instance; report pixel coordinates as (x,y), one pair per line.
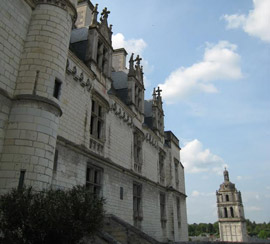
(14,21)
(71,170)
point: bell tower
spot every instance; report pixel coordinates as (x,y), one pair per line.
(232,225)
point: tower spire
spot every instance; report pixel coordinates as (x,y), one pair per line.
(226,175)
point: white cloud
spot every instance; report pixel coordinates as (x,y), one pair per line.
(136,46)
(196,159)
(256,23)
(196,193)
(220,62)
(253,208)
(249,196)
(132,46)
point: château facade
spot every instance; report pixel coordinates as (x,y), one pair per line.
(71,113)
(231,217)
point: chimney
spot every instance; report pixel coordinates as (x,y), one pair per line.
(84,10)
(119,59)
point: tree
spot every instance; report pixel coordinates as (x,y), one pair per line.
(52,216)
(264,234)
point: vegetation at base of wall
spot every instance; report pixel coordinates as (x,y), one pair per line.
(51,216)
(259,230)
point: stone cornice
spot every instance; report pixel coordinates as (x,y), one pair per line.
(109,163)
(39,99)
(4,93)
(64,4)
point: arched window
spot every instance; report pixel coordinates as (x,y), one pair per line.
(227,198)
(225,213)
(232,214)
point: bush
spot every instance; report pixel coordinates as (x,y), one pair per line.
(52,216)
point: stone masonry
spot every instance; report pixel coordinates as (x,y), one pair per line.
(72,113)
(232,224)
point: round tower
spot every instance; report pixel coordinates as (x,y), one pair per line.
(29,145)
(232,225)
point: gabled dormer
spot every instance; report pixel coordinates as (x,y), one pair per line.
(154,115)
(100,49)
(135,96)
(92,43)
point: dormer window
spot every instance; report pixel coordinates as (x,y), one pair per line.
(99,54)
(137,152)
(161,168)
(138,97)
(102,57)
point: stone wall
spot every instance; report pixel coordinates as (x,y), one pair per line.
(14,20)
(71,170)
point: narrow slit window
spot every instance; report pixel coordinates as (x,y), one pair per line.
(21,179)
(55,162)
(121,193)
(57,88)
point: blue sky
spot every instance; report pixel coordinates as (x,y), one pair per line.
(212,60)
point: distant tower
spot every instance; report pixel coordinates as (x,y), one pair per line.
(232,225)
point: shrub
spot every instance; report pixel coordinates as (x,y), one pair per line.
(52,216)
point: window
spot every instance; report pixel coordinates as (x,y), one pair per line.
(105,60)
(178,210)
(137,204)
(21,179)
(138,98)
(225,213)
(227,198)
(160,121)
(102,57)
(176,172)
(94,179)
(57,88)
(161,169)
(163,209)
(137,153)
(97,120)
(55,161)
(99,54)
(232,213)
(121,193)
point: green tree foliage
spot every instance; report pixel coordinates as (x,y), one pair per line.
(262,231)
(202,228)
(52,216)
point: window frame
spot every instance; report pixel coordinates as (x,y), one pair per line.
(137,204)
(97,120)
(161,168)
(138,152)
(94,179)
(163,215)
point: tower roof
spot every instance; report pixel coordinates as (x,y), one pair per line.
(227,185)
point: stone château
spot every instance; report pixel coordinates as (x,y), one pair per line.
(71,113)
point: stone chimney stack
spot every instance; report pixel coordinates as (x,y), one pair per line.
(119,59)
(84,9)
